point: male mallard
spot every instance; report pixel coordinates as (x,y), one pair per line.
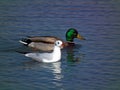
(46,43)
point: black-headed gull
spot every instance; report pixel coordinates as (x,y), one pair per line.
(48,57)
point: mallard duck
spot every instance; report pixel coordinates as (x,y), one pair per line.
(48,57)
(46,43)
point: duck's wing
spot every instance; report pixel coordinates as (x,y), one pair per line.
(44,43)
(45,39)
(42,46)
(37,39)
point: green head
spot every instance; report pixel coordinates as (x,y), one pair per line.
(71,34)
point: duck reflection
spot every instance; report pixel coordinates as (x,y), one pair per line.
(71,54)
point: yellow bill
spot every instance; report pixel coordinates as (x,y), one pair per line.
(80,37)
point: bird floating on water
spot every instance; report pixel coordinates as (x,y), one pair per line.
(53,56)
(46,43)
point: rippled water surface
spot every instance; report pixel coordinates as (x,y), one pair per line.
(93,64)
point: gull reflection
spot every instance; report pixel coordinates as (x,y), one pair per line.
(54,68)
(57,70)
(52,71)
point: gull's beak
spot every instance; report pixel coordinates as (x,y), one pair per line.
(80,37)
(64,44)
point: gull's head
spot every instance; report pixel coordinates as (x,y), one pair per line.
(58,43)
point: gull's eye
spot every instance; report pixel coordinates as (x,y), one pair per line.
(58,43)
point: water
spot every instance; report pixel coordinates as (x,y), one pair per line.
(93,64)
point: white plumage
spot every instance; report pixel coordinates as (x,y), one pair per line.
(48,57)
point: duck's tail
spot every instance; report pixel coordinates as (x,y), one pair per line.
(26,42)
(22,52)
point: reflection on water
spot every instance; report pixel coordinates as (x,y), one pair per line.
(70,54)
(57,70)
(71,57)
(54,68)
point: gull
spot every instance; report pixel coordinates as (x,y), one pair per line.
(50,57)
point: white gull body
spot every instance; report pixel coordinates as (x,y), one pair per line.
(48,57)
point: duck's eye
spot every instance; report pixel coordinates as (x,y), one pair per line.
(75,34)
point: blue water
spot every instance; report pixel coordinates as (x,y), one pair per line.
(93,64)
